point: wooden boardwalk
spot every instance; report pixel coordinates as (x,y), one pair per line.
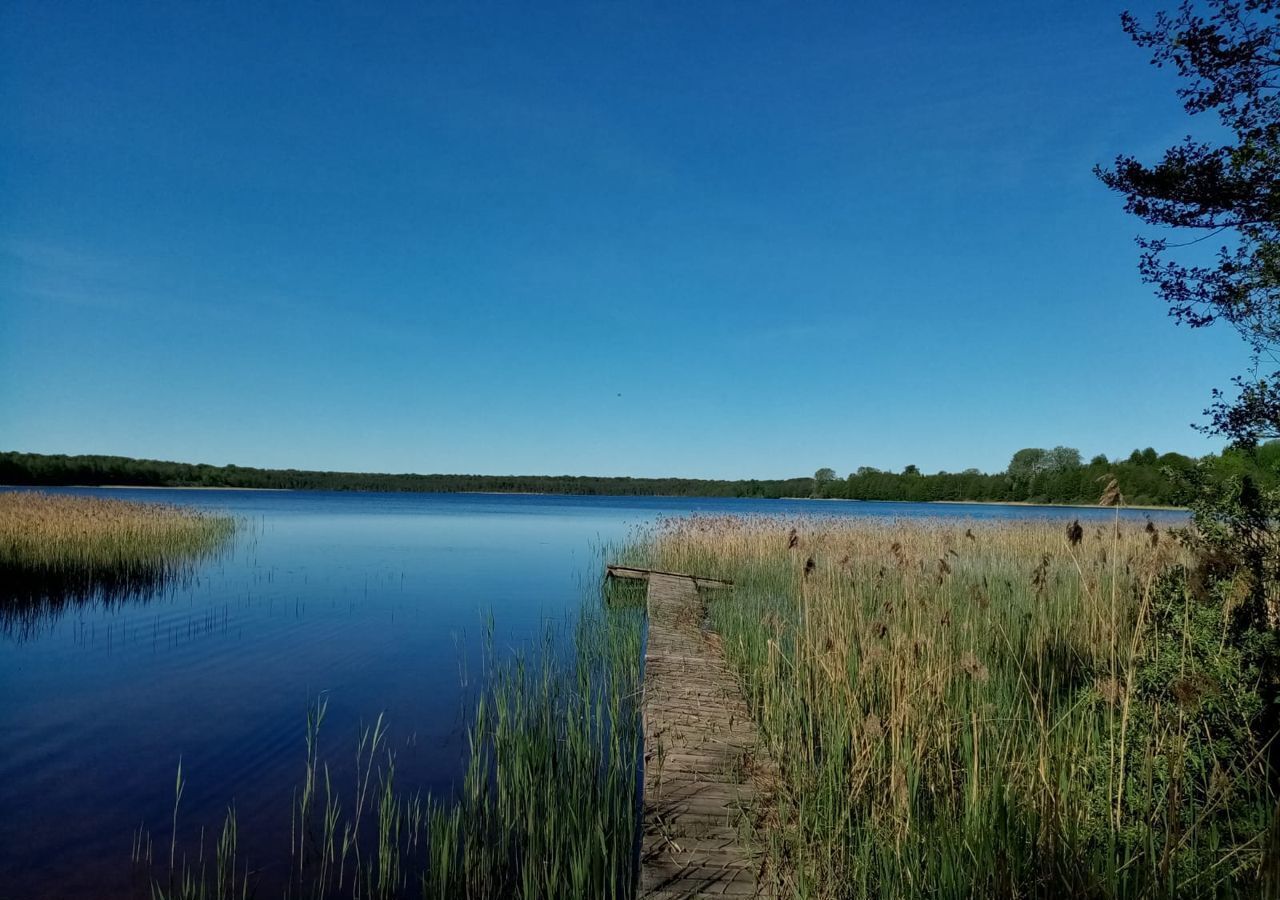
(702,776)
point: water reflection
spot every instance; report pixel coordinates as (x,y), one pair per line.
(33,602)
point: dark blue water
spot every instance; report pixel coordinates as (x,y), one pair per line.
(377,601)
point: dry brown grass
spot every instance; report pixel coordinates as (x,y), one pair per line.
(52,545)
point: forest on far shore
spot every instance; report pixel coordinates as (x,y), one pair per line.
(1034,475)
(1057,475)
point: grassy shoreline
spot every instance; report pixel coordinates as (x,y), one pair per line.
(53,544)
(969,709)
(1137,506)
(1134,506)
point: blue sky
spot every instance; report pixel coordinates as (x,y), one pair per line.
(726,240)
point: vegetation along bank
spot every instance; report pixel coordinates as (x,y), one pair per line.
(1034,475)
(59,549)
(1001,710)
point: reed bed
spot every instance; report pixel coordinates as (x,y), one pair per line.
(547,808)
(968,710)
(57,548)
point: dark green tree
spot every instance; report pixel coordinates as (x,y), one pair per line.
(1228,56)
(1061,458)
(1027,462)
(823,481)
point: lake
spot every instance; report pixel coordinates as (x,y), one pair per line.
(378,602)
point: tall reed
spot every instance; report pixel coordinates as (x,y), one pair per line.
(952,709)
(61,548)
(547,807)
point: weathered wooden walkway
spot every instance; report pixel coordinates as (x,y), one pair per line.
(702,776)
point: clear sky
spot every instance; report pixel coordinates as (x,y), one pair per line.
(703,239)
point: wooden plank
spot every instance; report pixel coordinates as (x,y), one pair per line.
(704,794)
(613,571)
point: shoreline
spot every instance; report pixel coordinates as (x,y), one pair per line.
(162,487)
(138,487)
(1151,507)
(1139,506)
(1027,503)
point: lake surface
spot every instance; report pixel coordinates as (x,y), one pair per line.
(377,601)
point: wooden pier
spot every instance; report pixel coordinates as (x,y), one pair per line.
(703,773)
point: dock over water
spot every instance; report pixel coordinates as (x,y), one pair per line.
(703,770)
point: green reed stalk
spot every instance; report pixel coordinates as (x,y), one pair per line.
(547,807)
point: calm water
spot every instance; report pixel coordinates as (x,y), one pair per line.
(378,601)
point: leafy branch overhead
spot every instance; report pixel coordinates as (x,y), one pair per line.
(1229,59)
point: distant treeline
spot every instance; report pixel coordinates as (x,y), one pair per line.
(1057,475)
(41,469)
(1034,475)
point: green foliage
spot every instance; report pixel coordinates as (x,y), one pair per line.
(1235,534)
(41,469)
(1192,712)
(1208,691)
(1035,476)
(1205,697)
(1027,462)
(1227,53)
(1032,461)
